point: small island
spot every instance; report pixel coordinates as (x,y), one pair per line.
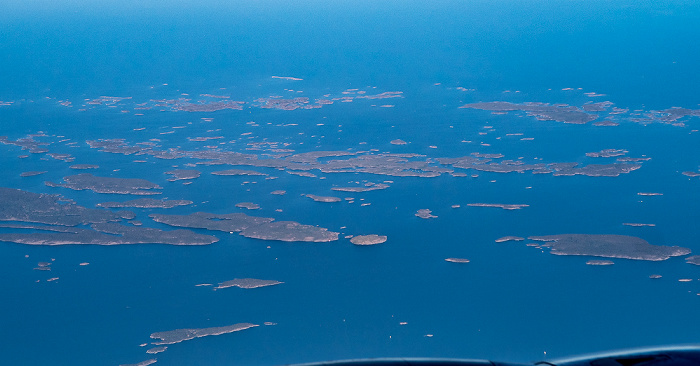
(88,181)
(84,166)
(424,213)
(263,228)
(247,283)
(33,173)
(457,260)
(368,187)
(371,239)
(693,259)
(181,335)
(183,174)
(323,198)
(599,262)
(146,203)
(509,238)
(156,350)
(541,111)
(51,209)
(607,153)
(499,205)
(248,205)
(609,246)
(238,172)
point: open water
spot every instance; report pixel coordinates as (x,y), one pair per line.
(338,300)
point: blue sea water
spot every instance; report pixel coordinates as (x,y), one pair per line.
(510,303)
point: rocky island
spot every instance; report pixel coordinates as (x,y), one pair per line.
(541,111)
(101,234)
(183,174)
(457,260)
(509,238)
(599,262)
(424,213)
(693,259)
(181,335)
(51,209)
(368,187)
(248,205)
(323,198)
(499,205)
(371,239)
(108,185)
(146,203)
(607,153)
(84,166)
(32,173)
(247,283)
(249,226)
(609,246)
(238,172)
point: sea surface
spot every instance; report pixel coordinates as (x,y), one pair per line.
(511,302)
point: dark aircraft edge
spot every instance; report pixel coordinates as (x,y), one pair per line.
(685,355)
